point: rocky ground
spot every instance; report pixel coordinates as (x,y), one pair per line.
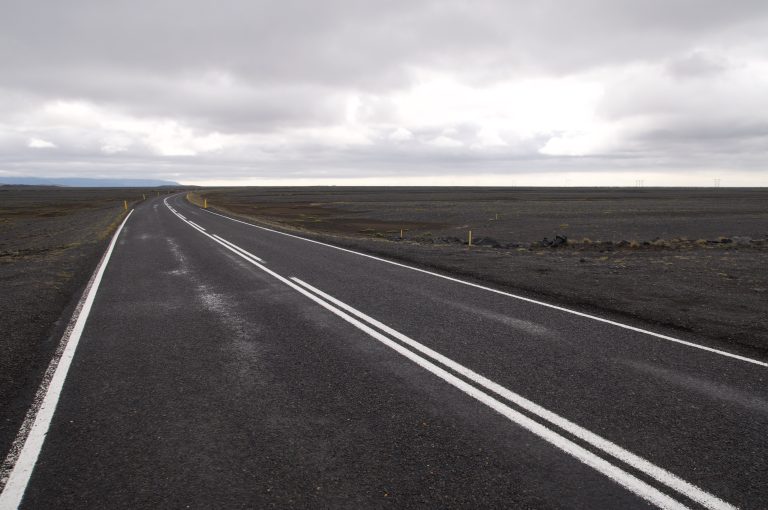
(693,260)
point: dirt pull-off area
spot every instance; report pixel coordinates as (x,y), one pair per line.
(51,240)
(692,259)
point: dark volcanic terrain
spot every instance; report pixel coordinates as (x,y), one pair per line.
(691,259)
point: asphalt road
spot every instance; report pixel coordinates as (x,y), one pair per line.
(224,365)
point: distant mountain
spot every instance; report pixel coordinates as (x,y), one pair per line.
(87,183)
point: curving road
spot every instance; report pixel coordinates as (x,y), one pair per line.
(220,364)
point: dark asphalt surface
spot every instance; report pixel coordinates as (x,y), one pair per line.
(201,381)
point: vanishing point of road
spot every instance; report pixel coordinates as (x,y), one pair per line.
(217,364)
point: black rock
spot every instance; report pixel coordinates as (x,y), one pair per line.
(486,241)
(554,243)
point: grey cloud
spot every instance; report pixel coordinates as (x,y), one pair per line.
(697,65)
(368,45)
(268,69)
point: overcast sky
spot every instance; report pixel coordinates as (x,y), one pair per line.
(544,92)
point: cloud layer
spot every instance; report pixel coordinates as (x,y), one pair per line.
(589,92)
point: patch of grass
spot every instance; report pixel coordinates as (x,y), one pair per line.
(106,232)
(195,199)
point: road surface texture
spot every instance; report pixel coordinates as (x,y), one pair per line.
(224,365)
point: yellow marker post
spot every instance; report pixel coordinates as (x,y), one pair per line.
(125,205)
(497,216)
(205,203)
(401,233)
(469,239)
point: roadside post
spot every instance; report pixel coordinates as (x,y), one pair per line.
(469,239)
(144,196)
(205,203)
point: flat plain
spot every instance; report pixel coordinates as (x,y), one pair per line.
(691,260)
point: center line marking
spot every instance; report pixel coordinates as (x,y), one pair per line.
(661,475)
(613,472)
(236,247)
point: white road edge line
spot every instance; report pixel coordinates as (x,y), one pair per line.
(618,475)
(508,294)
(13,492)
(195,225)
(659,474)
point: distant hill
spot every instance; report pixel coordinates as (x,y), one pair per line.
(87,183)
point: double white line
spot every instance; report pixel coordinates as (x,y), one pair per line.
(429,360)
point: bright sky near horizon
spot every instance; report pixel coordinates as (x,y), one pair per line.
(582,93)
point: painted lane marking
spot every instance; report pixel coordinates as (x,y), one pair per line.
(185,220)
(514,296)
(194,226)
(614,473)
(220,240)
(659,474)
(236,247)
(223,242)
(13,492)
(618,475)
